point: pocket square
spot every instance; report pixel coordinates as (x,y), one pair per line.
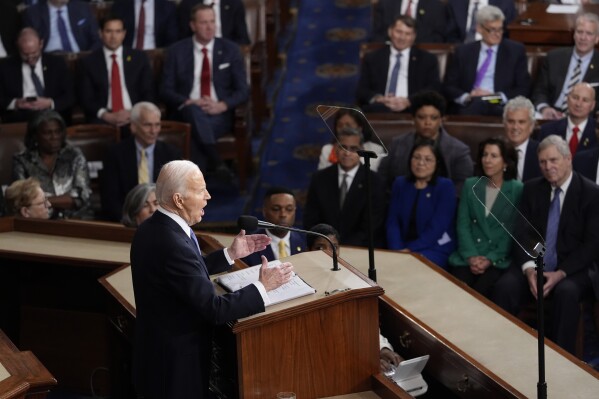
(594,84)
(225,65)
(81,22)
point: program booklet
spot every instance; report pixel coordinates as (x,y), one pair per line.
(294,288)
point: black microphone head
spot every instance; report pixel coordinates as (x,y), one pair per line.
(247,222)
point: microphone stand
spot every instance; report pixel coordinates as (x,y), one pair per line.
(541,384)
(367,155)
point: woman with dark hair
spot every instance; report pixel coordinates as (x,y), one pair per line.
(422,207)
(316,243)
(140,204)
(484,247)
(60,168)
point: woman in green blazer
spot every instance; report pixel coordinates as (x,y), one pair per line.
(484,247)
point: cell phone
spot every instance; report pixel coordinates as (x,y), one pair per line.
(31,99)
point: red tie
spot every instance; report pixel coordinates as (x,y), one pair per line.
(574,140)
(409,9)
(115,86)
(141,27)
(205,75)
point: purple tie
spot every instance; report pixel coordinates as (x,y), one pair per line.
(551,233)
(62,32)
(480,74)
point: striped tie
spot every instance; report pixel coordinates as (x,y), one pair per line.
(143,175)
(574,79)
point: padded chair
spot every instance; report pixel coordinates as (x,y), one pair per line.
(12,141)
(177,134)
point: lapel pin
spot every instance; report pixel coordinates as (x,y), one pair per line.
(428,195)
(298,249)
(128,58)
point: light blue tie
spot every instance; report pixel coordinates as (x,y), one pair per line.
(62,31)
(195,240)
(551,234)
(394,75)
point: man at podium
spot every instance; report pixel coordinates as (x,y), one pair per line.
(176,304)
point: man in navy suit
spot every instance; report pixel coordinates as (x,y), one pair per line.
(586,163)
(80,25)
(204,80)
(418,70)
(19,95)
(519,123)
(97,74)
(484,75)
(561,205)
(121,164)
(177,306)
(279,208)
(350,216)
(230,19)
(578,127)
(159,29)
(459,18)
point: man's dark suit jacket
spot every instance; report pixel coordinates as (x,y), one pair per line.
(165,21)
(10,23)
(177,309)
(559,127)
(83,23)
(423,74)
(232,19)
(297,242)
(93,80)
(585,163)
(511,72)
(430,19)
(228,73)
(57,83)
(119,173)
(552,74)
(457,16)
(531,161)
(322,206)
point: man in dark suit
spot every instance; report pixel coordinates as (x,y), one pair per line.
(346,179)
(586,163)
(33,81)
(519,123)
(114,77)
(578,128)
(430,16)
(80,32)
(123,165)
(10,23)
(483,75)
(204,80)
(159,29)
(278,208)
(230,19)
(571,233)
(177,306)
(383,87)
(461,26)
(559,70)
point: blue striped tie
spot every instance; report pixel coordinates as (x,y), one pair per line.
(394,75)
(62,31)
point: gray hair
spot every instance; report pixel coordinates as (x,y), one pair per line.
(588,17)
(489,14)
(517,103)
(559,143)
(173,179)
(135,201)
(143,106)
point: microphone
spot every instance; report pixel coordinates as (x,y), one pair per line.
(249,223)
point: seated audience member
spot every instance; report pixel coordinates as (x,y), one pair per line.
(230,20)
(278,208)
(461,18)
(586,163)
(483,75)
(140,204)
(26,198)
(60,167)
(578,127)
(33,81)
(114,77)
(519,123)
(338,194)
(347,117)
(484,247)
(204,80)
(64,25)
(390,76)
(158,27)
(562,206)
(566,66)
(10,23)
(422,207)
(430,16)
(428,109)
(136,159)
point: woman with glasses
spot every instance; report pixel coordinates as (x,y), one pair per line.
(60,167)
(422,208)
(484,247)
(26,198)
(140,204)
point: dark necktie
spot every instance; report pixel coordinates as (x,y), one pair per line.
(62,32)
(551,234)
(342,190)
(394,75)
(115,86)
(480,74)
(471,34)
(39,88)
(141,27)
(205,75)
(574,140)
(195,240)
(409,9)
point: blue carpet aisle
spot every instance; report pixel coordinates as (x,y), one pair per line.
(322,68)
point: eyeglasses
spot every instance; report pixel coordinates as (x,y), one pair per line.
(426,160)
(492,30)
(45,202)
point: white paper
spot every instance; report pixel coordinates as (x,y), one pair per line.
(563,8)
